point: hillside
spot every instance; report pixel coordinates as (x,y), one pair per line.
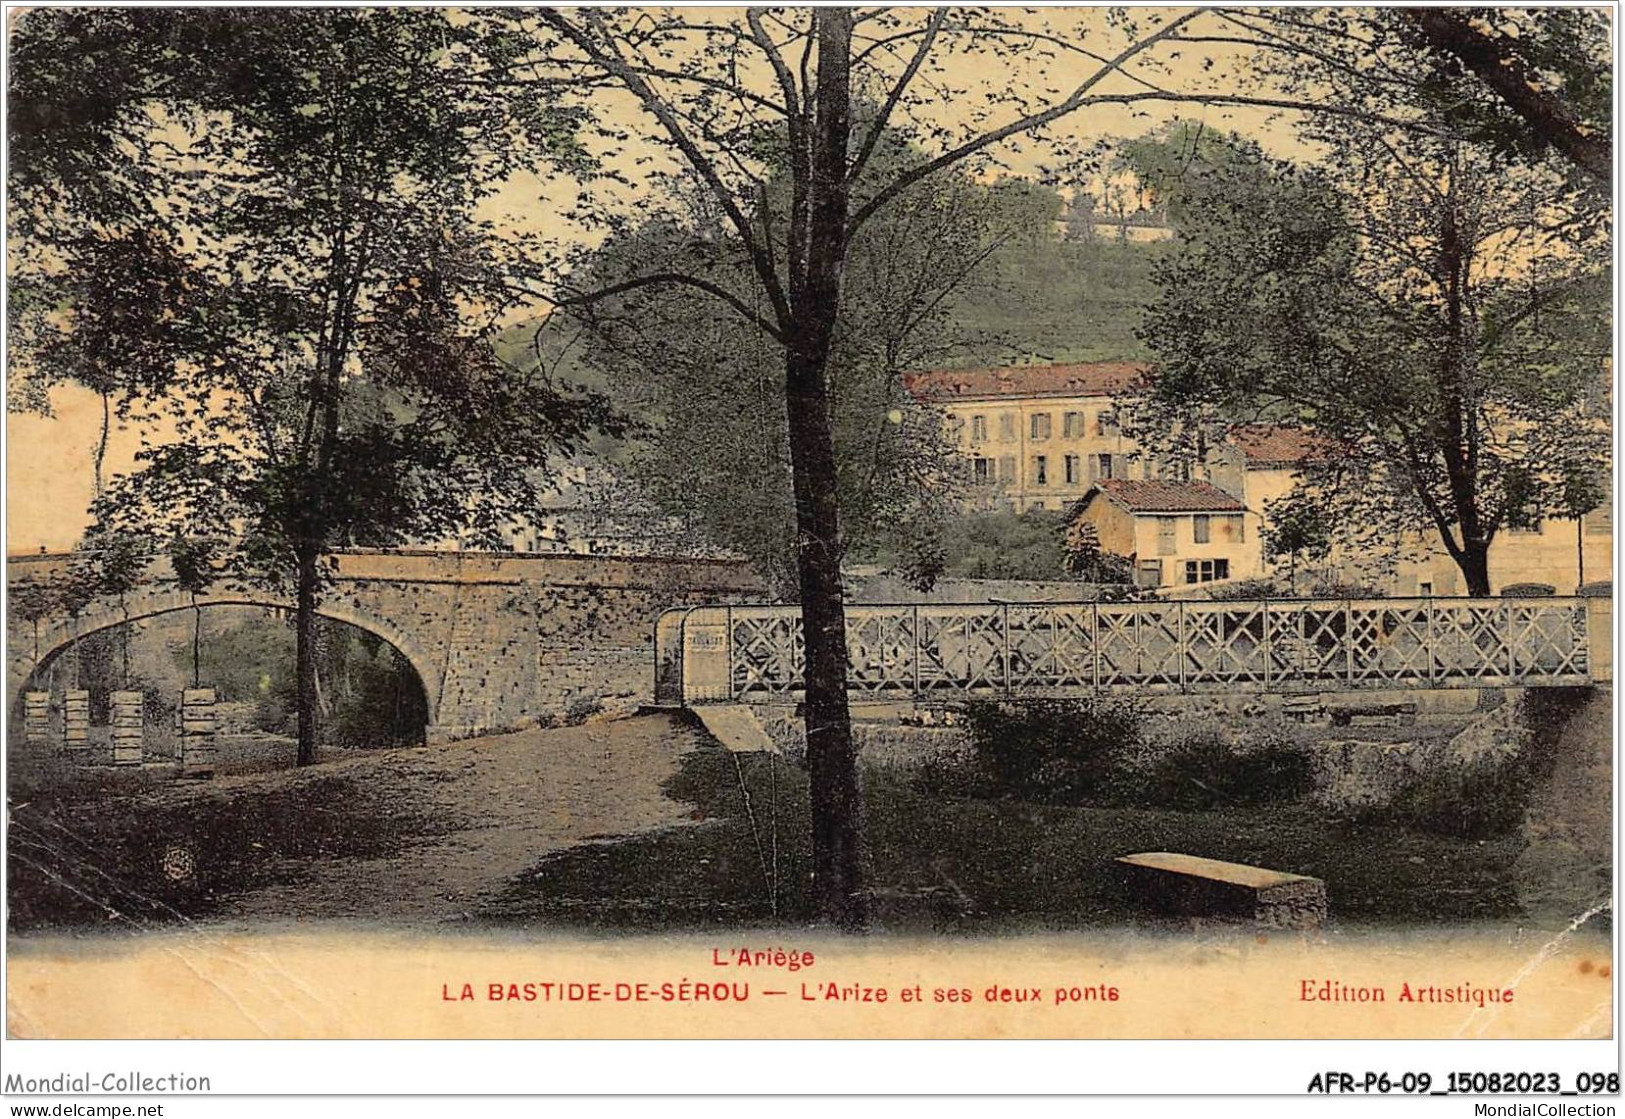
(1050,301)
(1063,301)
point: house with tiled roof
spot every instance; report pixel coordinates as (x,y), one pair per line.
(1037,436)
(1048,437)
(1261,463)
(1173,533)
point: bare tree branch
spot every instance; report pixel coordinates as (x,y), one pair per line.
(1498,63)
(682,278)
(610,59)
(1036,120)
(896,94)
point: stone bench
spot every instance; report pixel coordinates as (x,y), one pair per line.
(1191,886)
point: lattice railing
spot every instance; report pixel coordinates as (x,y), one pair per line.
(757,652)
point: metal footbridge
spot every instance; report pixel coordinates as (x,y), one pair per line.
(755,654)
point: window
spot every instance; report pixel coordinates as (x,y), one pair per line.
(1526,528)
(1007,427)
(1165,535)
(1105,466)
(1007,468)
(1425,589)
(982,470)
(1107,423)
(1599,522)
(1201,528)
(1239,523)
(1149,573)
(1040,428)
(1040,470)
(1206,571)
(1072,425)
(978,429)
(1072,470)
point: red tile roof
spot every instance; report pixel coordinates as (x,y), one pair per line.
(1098,378)
(1272,445)
(1169,497)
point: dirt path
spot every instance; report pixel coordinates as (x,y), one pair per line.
(510,798)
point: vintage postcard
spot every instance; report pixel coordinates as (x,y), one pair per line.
(825,522)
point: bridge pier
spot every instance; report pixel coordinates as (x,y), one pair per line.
(127,719)
(76,725)
(197,732)
(36,717)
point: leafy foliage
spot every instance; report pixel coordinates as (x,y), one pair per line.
(1204,771)
(296,304)
(1420,300)
(300,327)
(1002,544)
(1054,751)
(709,381)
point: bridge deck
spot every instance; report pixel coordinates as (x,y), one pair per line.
(755,654)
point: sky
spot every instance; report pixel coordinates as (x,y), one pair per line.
(49,458)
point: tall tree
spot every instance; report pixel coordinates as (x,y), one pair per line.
(708,381)
(1435,306)
(705,87)
(300,304)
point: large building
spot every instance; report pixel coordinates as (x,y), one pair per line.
(1037,436)
(1048,437)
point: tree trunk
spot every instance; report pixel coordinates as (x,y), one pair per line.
(831,757)
(1580,553)
(815,263)
(1474,561)
(305,655)
(99,458)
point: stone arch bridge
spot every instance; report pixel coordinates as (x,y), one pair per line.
(495,638)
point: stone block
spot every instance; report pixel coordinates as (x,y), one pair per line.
(37,716)
(127,714)
(198,726)
(1190,886)
(76,725)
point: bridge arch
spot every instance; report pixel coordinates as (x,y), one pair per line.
(59,633)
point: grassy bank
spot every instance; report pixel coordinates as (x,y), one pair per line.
(941,863)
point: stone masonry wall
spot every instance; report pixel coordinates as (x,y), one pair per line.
(497,640)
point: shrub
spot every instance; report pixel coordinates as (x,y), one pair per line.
(1249,590)
(1051,750)
(953,774)
(1204,771)
(1480,799)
